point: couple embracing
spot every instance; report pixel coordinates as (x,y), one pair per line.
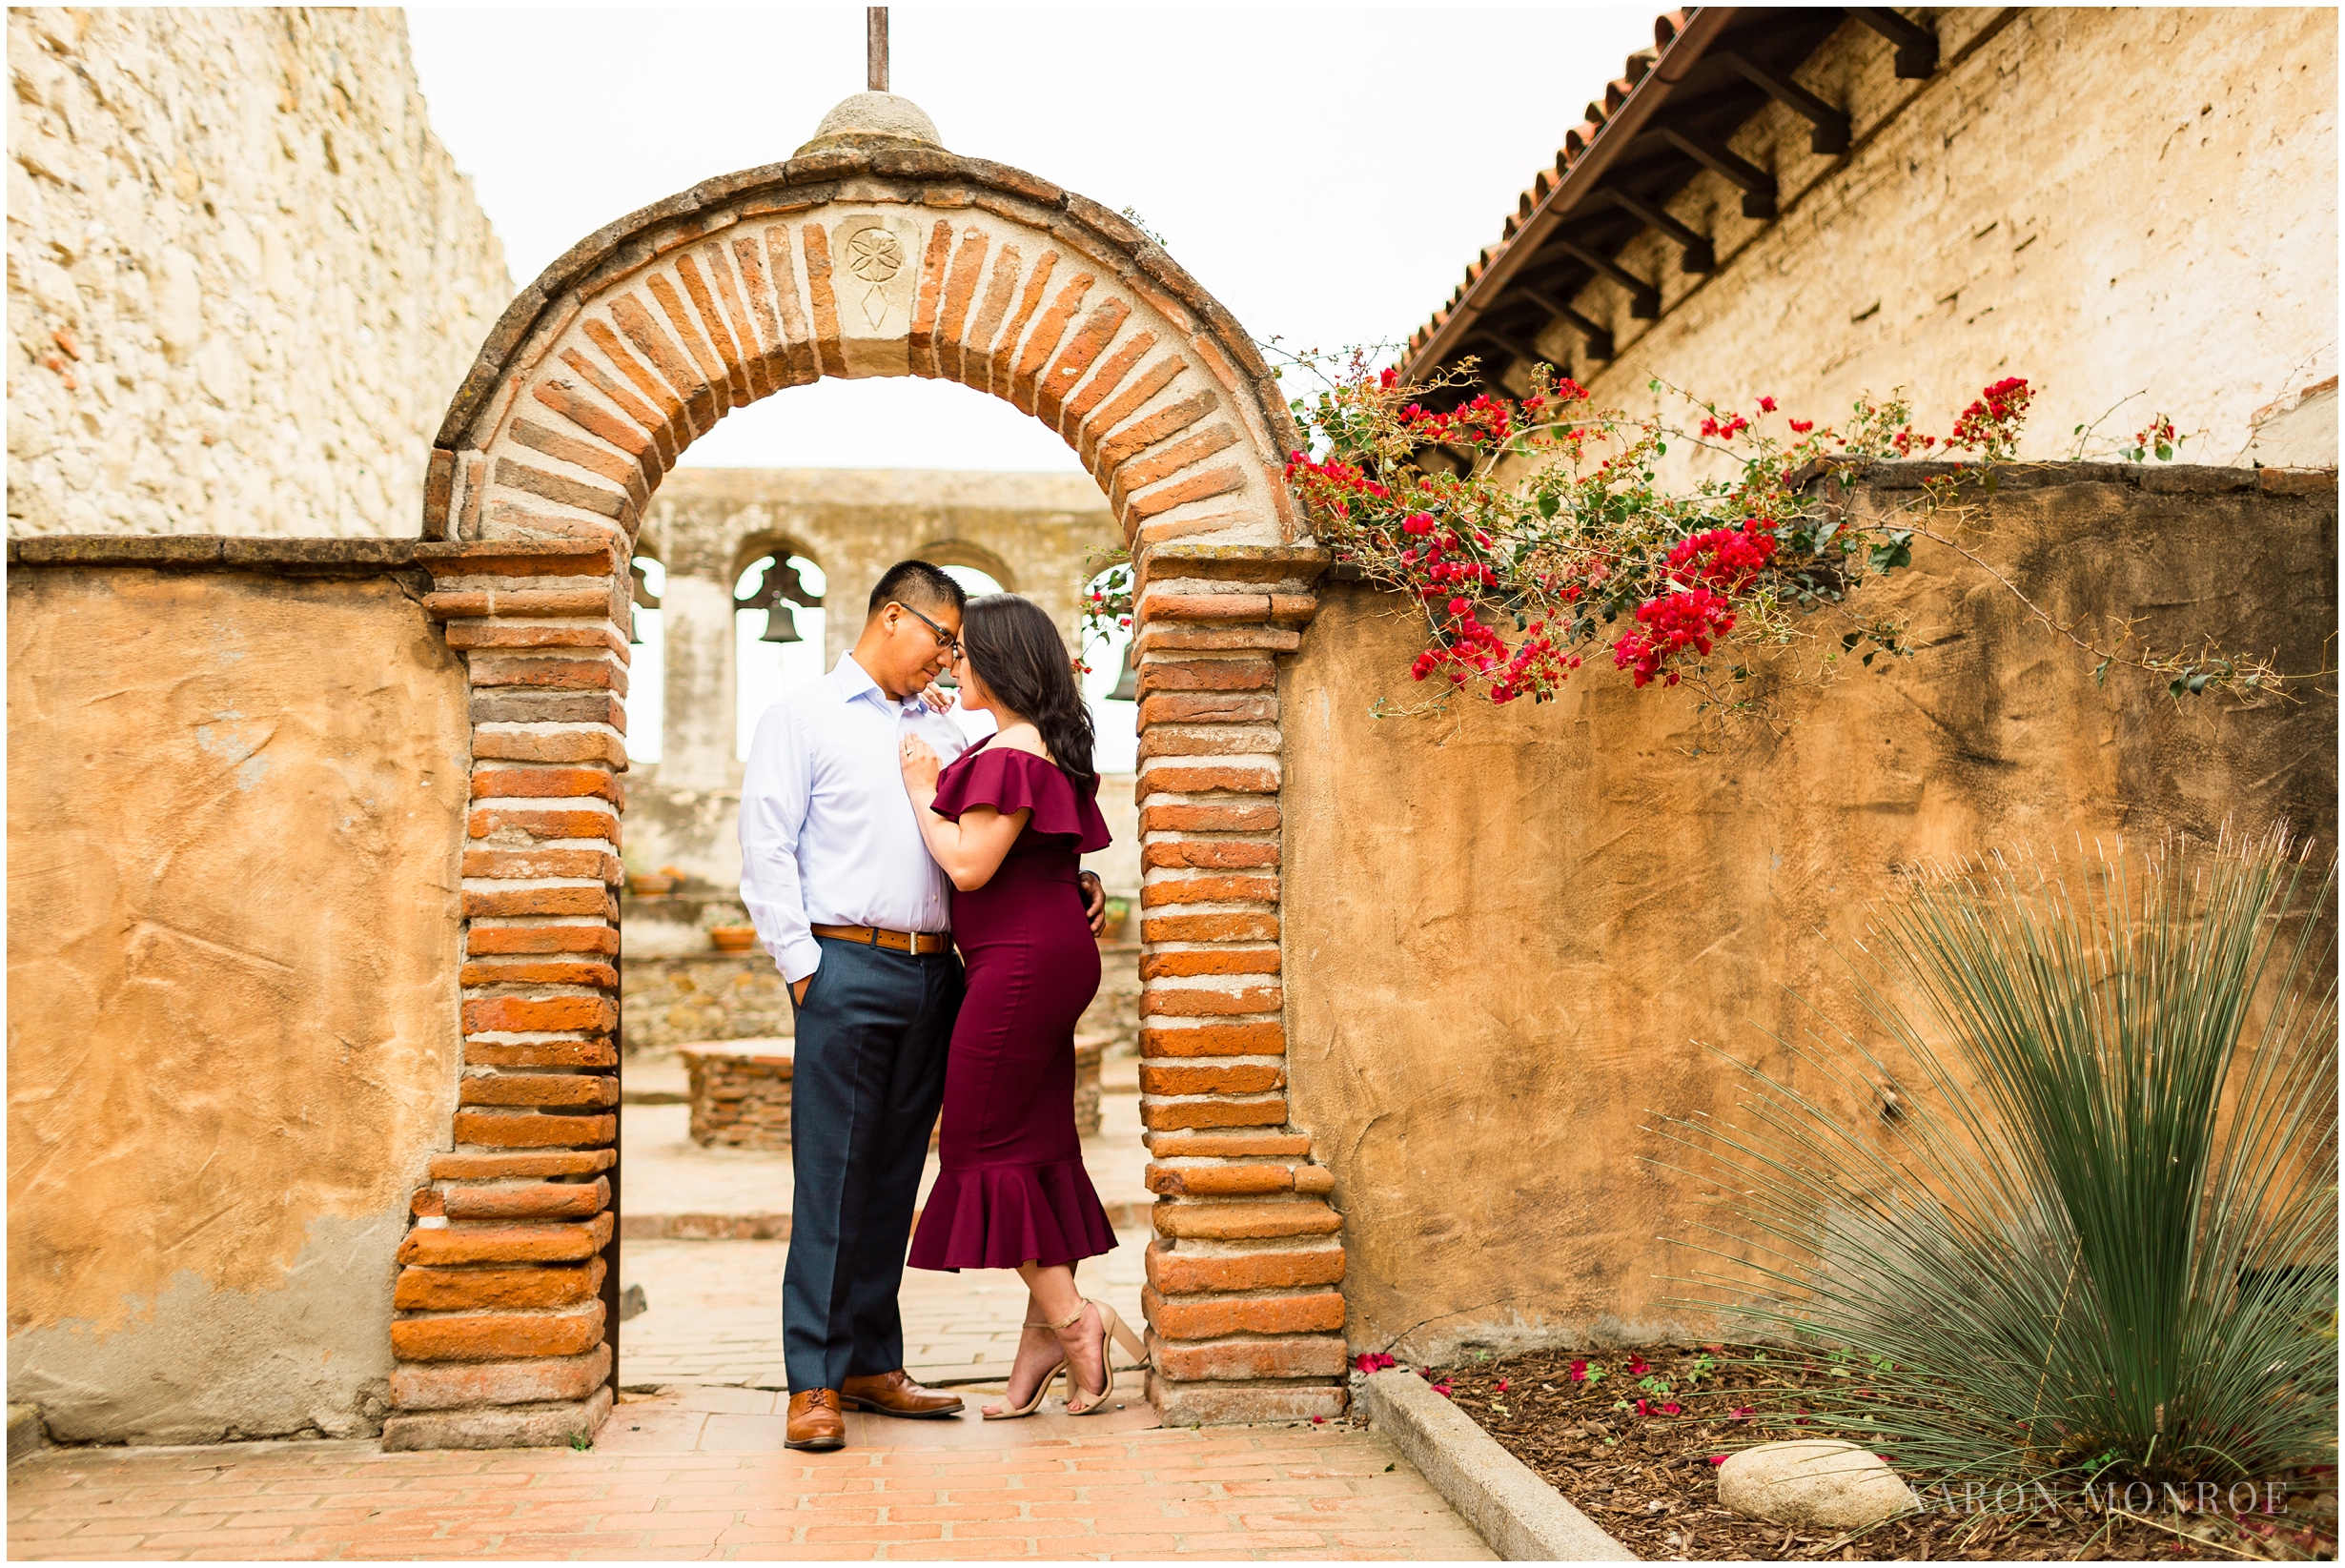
(875,841)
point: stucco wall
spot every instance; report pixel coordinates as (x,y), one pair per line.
(2105,201)
(243,274)
(1504,929)
(235,806)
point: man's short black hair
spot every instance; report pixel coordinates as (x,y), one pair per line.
(918,583)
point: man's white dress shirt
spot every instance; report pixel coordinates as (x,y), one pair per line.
(827,835)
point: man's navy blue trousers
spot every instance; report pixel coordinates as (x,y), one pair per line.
(867,1080)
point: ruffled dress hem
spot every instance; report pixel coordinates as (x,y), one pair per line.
(998,1217)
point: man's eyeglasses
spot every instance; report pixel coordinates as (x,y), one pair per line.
(944,638)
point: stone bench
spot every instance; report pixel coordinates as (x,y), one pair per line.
(739,1091)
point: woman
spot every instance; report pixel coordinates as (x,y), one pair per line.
(1006,822)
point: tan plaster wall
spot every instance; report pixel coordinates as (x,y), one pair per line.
(235,806)
(243,274)
(2102,200)
(1504,929)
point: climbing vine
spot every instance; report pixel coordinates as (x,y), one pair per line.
(1535,534)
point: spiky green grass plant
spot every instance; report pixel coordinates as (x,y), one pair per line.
(2082,1225)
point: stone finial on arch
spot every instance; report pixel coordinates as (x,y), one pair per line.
(885,262)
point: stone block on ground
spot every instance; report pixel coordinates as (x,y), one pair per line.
(740,1091)
(1816,1482)
(26,1433)
(536,1426)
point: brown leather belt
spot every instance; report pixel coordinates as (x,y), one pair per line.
(900,942)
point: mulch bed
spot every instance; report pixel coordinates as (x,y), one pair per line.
(1648,1479)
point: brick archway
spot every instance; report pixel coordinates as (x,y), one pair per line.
(873,262)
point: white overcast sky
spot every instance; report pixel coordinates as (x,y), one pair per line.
(1326,171)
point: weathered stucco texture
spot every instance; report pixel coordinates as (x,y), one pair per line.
(1505,928)
(2105,201)
(243,274)
(236,805)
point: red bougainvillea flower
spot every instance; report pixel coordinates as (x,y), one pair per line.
(1718,1458)
(1672,1408)
(1638,1367)
(1502,1385)
(1374,1361)
(1766,405)
(1801,427)
(1580,1372)
(1666,627)
(1745,1414)
(1729,559)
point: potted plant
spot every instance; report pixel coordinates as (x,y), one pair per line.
(728,929)
(645,884)
(1119,916)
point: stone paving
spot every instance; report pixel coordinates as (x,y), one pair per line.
(715,1312)
(673,1479)
(691,1465)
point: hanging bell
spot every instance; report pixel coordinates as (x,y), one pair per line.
(781,624)
(1128,685)
(640,596)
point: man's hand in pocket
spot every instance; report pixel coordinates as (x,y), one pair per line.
(798,990)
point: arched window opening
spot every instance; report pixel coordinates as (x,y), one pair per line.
(778,626)
(647,669)
(973,582)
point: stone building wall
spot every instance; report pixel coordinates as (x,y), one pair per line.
(235,804)
(2105,201)
(243,274)
(1506,929)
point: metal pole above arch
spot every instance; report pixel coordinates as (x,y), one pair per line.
(875,47)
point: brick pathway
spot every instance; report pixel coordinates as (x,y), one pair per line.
(715,1314)
(671,1482)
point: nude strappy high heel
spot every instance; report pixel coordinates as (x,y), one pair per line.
(1111,1332)
(1042,1390)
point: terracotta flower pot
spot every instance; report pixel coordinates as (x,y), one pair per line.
(733,939)
(651,885)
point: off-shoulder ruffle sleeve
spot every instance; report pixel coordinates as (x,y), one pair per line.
(1009,780)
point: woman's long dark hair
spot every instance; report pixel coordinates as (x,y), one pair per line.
(1016,651)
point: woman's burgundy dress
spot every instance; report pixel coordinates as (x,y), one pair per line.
(1011,1187)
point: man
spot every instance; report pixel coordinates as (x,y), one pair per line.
(857,915)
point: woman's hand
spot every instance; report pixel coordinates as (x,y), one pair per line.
(940,699)
(921,766)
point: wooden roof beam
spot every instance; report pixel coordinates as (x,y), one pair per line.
(1643,299)
(1917,47)
(1828,127)
(1757,185)
(1680,40)
(1701,257)
(1594,336)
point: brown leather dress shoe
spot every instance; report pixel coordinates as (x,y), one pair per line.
(815,1421)
(893,1394)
